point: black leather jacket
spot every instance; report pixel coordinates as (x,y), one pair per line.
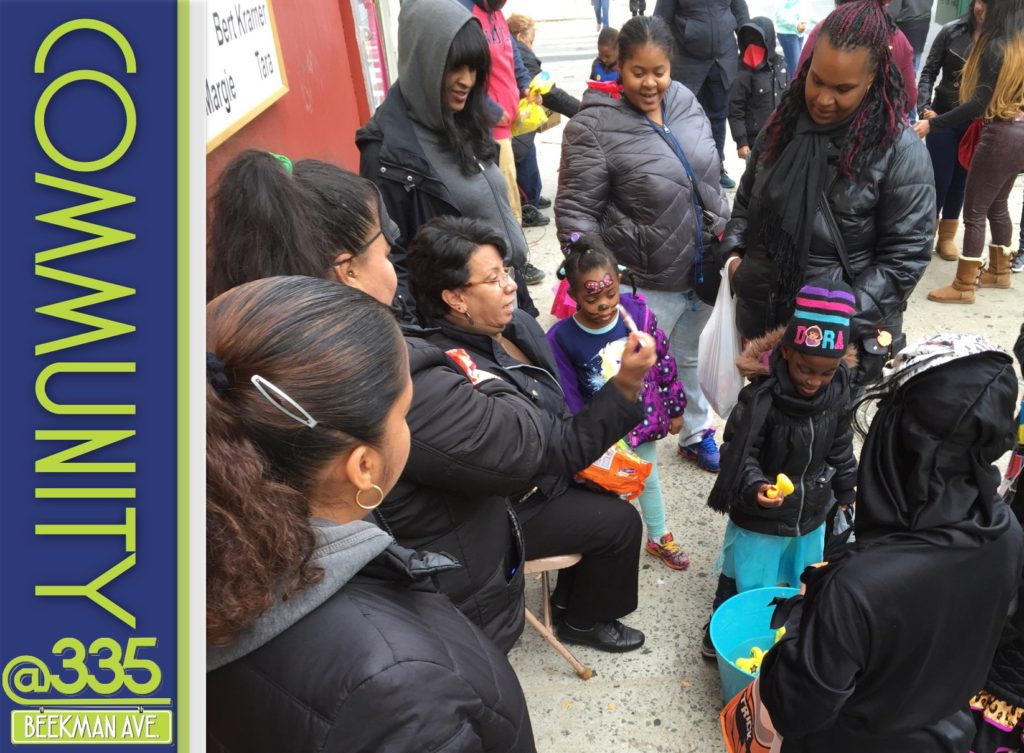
(947,55)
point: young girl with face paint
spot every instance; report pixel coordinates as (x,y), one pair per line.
(588,349)
(793,418)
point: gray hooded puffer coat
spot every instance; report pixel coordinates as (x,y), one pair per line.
(621,180)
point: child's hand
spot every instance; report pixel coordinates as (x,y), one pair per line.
(637,359)
(763,499)
(675,425)
(743,151)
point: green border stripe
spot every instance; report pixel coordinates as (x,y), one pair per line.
(184,126)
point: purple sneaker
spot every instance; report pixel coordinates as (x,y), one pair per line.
(704,453)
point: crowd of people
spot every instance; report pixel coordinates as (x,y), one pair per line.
(392,435)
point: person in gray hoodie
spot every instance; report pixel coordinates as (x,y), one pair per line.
(323,634)
(429,147)
(640,171)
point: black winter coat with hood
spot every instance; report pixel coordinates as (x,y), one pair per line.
(475,445)
(620,180)
(369,659)
(756,92)
(947,55)
(884,216)
(808,439)
(705,35)
(894,637)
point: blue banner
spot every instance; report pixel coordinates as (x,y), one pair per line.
(88,374)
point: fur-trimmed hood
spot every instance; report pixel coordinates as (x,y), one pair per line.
(753,361)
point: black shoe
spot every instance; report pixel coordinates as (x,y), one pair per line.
(557,613)
(726,182)
(707,648)
(605,636)
(543,202)
(533,218)
(531,274)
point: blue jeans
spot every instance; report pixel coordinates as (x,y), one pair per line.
(791,46)
(601,12)
(528,176)
(950,177)
(682,317)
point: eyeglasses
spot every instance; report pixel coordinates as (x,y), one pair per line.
(507,275)
(387,228)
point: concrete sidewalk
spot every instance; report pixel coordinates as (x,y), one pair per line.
(665,697)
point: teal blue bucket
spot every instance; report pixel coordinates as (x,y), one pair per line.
(742,622)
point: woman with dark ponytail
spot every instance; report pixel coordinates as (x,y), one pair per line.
(306,600)
(272,217)
(836,186)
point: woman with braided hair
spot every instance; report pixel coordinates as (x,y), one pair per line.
(836,186)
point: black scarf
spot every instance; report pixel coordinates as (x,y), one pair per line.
(789,200)
(774,391)
(927,465)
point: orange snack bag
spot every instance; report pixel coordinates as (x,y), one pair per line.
(619,470)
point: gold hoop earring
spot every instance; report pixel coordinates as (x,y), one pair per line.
(380,498)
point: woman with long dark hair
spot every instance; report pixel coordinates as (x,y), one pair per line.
(836,186)
(429,147)
(322,633)
(991,88)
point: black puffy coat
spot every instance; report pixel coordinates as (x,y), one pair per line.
(704,32)
(756,92)
(620,179)
(385,665)
(473,447)
(947,54)
(885,217)
(814,449)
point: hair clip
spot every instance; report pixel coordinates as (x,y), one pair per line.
(574,238)
(216,374)
(263,385)
(283,160)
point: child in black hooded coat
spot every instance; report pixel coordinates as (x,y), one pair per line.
(760,82)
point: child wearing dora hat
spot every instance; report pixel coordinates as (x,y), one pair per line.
(793,419)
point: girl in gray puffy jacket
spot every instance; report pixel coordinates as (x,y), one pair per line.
(640,170)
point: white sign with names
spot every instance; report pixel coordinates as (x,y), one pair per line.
(244,67)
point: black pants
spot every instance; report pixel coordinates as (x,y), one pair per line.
(607,532)
(713,96)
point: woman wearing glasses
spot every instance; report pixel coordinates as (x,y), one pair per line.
(463,286)
(472,443)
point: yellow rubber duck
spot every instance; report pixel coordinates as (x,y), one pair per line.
(782,487)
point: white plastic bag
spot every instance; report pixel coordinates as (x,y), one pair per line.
(720,379)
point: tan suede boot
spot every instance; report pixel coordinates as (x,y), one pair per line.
(997,273)
(945,246)
(962,289)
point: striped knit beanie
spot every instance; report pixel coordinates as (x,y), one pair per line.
(821,322)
